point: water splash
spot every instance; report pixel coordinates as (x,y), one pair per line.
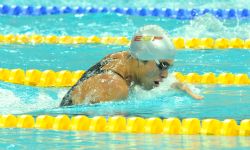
(13,101)
(210,26)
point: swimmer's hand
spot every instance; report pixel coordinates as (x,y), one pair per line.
(185,88)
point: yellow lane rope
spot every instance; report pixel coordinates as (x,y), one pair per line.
(120,124)
(179,42)
(50,78)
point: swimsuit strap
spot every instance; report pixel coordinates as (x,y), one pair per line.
(117,73)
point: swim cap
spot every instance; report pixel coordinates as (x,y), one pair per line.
(151,42)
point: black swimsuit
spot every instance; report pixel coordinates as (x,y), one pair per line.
(94,70)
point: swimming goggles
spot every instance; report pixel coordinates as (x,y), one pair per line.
(162,65)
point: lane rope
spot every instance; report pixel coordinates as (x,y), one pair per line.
(157,12)
(65,78)
(179,42)
(120,124)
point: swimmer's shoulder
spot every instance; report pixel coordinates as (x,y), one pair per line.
(119,55)
(107,86)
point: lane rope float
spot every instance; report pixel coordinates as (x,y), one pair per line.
(64,78)
(179,42)
(120,124)
(157,12)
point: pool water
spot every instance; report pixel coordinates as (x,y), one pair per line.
(220,101)
(39,139)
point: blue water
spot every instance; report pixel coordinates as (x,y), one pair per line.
(122,25)
(220,101)
(83,56)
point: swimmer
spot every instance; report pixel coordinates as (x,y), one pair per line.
(146,64)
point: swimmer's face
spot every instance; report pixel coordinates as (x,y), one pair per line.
(152,73)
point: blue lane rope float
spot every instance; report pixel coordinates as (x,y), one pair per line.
(160,12)
(120,124)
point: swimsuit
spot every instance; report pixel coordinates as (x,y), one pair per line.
(94,70)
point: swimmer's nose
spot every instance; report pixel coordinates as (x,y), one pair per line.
(164,74)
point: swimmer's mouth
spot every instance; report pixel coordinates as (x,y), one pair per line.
(157,82)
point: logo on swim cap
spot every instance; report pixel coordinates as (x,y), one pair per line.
(147,38)
(151,42)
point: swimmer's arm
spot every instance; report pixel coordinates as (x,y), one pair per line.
(184,87)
